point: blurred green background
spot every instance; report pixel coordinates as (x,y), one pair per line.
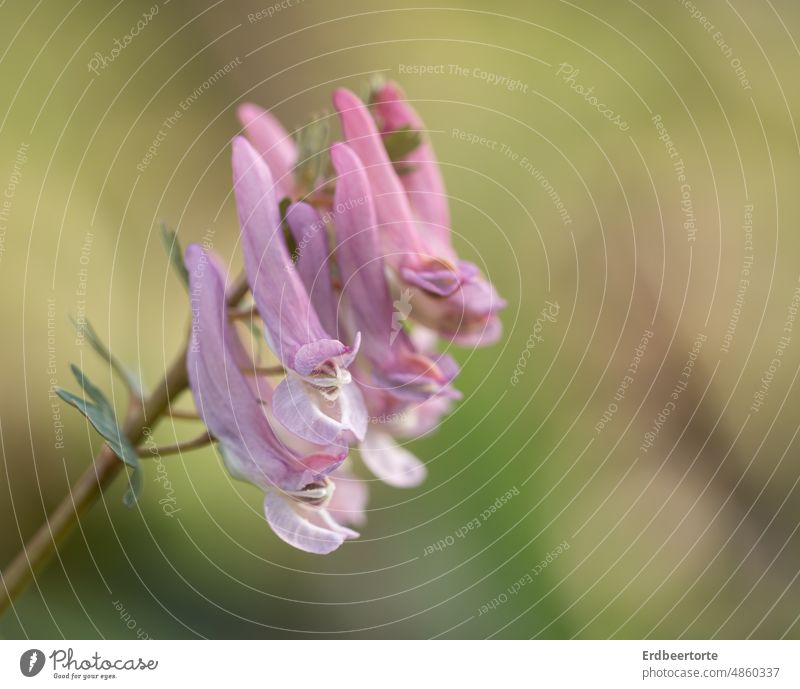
(695,537)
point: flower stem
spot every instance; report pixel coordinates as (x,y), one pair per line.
(264,371)
(98,475)
(182,414)
(89,486)
(157,450)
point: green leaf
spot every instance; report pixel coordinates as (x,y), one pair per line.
(404,168)
(312,142)
(100,414)
(400,142)
(129,378)
(374,84)
(175,253)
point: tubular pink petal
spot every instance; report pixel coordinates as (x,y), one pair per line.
(281,298)
(423,182)
(391,463)
(358,252)
(304,410)
(296,529)
(391,204)
(272,142)
(312,259)
(226,398)
(349,500)
(353,410)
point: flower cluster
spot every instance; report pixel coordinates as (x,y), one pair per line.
(354,280)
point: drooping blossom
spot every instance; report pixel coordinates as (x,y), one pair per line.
(354,314)
(395,375)
(236,406)
(450,295)
(273,143)
(316,400)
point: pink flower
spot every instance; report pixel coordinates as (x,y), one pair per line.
(273,143)
(337,314)
(396,376)
(449,295)
(236,408)
(316,400)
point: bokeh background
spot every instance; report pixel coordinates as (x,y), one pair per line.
(695,537)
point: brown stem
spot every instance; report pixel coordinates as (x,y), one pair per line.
(264,370)
(89,486)
(157,450)
(99,475)
(244,314)
(182,414)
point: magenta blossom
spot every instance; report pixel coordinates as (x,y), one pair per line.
(449,295)
(316,400)
(236,408)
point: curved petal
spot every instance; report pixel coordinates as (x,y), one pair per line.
(273,142)
(353,410)
(391,463)
(423,181)
(278,291)
(391,204)
(312,258)
(310,357)
(322,517)
(230,404)
(224,397)
(468,316)
(349,500)
(485,334)
(303,409)
(296,529)
(424,418)
(439,280)
(358,253)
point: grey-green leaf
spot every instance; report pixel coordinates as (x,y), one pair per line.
(312,142)
(175,253)
(87,330)
(97,409)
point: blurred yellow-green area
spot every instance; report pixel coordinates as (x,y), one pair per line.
(627,168)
